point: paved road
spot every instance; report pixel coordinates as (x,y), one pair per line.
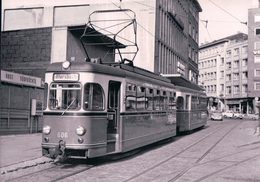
(223,151)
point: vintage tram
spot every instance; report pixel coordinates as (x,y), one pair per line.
(95,109)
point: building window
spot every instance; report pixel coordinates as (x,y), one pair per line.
(236,89)
(229,53)
(257,72)
(222,61)
(257,31)
(257,58)
(244,75)
(228,77)
(236,64)
(244,62)
(257,45)
(228,90)
(189,51)
(257,18)
(229,65)
(222,87)
(257,85)
(244,49)
(236,76)
(244,88)
(221,74)
(236,51)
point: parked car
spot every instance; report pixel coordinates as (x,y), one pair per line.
(228,114)
(238,116)
(216,115)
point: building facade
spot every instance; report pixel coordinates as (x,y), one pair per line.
(254,55)
(224,73)
(167,37)
(176,43)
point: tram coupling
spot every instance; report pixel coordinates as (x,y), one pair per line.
(58,153)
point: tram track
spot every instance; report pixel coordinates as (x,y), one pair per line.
(233,163)
(184,171)
(175,155)
(227,167)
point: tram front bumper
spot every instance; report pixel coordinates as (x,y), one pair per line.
(73,151)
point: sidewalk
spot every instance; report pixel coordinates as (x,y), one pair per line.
(18,148)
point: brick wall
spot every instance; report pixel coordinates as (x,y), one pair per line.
(26,51)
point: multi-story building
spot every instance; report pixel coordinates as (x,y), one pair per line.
(254,55)
(167,31)
(224,73)
(36,35)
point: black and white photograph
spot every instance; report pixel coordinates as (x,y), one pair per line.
(130,91)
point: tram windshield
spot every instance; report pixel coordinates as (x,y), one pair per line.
(65,96)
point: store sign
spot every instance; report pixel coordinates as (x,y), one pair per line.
(66,77)
(20,79)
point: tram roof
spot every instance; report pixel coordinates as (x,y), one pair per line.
(179,80)
(116,69)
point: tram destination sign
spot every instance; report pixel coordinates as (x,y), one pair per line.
(66,77)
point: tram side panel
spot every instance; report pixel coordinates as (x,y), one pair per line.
(143,129)
(147,115)
(191,111)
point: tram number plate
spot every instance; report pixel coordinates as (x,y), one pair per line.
(62,134)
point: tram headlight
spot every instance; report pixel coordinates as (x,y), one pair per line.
(46,129)
(80,131)
(66,64)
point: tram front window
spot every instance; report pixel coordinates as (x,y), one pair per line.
(65,96)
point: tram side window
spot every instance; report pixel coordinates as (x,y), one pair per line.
(157,100)
(203,103)
(93,97)
(187,101)
(180,103)
(164,100)
(172,104)
(130,97)
(149,97)
(141,100)
(194,102)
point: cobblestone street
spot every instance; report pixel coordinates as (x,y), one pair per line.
(222,151)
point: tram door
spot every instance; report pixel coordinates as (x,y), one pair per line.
(113,115)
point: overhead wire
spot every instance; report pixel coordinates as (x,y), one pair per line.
(202,22)
(245,23)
